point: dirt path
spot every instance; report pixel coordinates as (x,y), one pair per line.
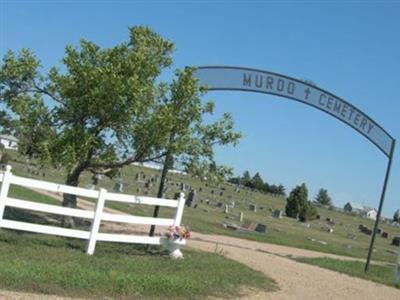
(295,280)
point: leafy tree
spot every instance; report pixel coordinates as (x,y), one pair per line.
(281,190)
(246,178)
(323,198)
(257,182)
(307,212)
(96,113)
(298,205)
(396,216)
(266,188)
(188,140)
(296,200)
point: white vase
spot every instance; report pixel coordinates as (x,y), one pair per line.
(173,247)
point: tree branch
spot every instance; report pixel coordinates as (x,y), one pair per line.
(93,166)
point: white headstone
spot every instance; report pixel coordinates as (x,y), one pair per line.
(226,209)
(241,217)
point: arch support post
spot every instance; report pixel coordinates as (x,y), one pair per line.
(371,244)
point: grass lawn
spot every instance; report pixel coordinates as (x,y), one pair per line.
(22,193)
(378,273)
(51,265)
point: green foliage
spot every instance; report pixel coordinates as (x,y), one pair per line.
(258,183)
(308,212)
(4,158)
(323,198)
(297,204)
(187,139)
(98,113)
(396,216)
(245,180)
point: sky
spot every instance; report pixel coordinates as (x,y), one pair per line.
(350,48)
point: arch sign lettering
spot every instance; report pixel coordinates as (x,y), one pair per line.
(223,78)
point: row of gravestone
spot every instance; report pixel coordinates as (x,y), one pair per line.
(367,231)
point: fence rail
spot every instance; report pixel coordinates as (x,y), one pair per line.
(97,216)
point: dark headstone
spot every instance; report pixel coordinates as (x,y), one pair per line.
(261,228)
(277,213)
(253,207)
(191,199)
(118,187)
(385,235)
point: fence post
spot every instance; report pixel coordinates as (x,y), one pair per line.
(179,211)
(5,185)
(94,230)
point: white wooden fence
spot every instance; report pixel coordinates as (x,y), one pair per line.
(98,215)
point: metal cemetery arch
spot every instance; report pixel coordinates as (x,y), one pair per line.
(223,78)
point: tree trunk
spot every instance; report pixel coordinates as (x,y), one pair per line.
(168,163)
(69,200)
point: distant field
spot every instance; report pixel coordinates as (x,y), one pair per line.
(345,240)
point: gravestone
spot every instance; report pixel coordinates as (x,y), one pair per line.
(191,199)
(261,228)
(221,194)
(232,204)
(253,207)
(396,241)
(277,214)
(220,204)
(241,217)
(226,210)
(118,187)
(148,184)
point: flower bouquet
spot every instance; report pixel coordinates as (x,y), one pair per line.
(178,233)
(175,238)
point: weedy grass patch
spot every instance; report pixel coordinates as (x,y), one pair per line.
(51,265)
